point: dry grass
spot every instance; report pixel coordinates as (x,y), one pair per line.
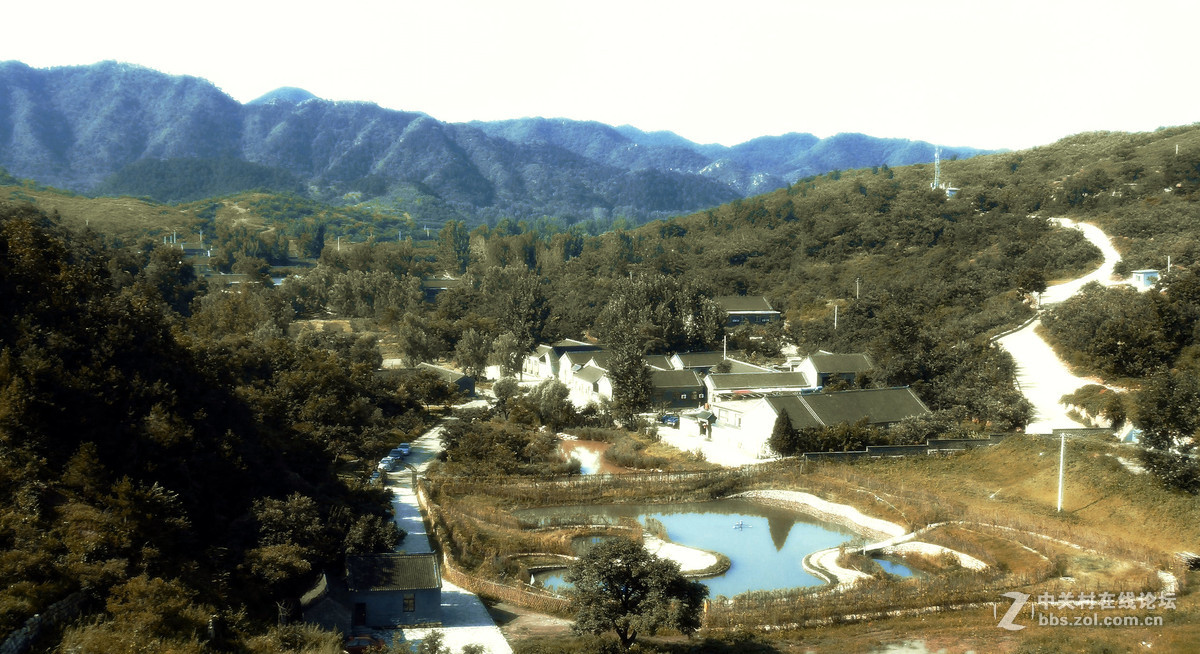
(1015,483)
(999,506)
(122,217)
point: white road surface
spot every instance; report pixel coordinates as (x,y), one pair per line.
(1042,377)
(465,621)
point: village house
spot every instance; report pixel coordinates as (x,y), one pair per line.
(705,362)
(590,383)
(659,362)
(585,386)
(753,419)
(676,389)
(393,370)
(730,384)
(571,363)
(881,407)
(545,360)
(825,367)
(1145,279)
(432,287)
(463,382)
(389,590)
(746,310)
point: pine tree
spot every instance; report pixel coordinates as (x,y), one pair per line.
(784,440)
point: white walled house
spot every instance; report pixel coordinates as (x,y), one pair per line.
(545,360)
(1145,279)
(748,422)
(824,367)
(586,388)
(571,363)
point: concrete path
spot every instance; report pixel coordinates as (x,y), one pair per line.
(724,448)
(465,620)
(1043,377)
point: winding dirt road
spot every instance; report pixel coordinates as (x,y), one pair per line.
(1042,377)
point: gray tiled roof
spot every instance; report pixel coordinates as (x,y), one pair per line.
(393,572)
(744,303)
(445,374)
(799,413)
(704,359)
(752,380)
(590,374)
(877,405)
(841,363)
(675,379)
(660,361)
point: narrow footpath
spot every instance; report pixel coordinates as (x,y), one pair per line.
(1042,377)
(465,620)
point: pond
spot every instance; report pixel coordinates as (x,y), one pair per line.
(590,455)
(765,544)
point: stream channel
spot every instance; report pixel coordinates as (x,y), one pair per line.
(765,544)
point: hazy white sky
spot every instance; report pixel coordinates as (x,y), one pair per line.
(1008,74)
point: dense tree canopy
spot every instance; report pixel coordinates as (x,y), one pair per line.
(154,461)
(622,588)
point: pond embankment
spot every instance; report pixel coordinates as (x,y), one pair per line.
(891,538)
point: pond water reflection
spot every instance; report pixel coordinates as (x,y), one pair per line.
(590,455)
(765,544)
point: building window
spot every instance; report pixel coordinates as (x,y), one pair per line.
(683,396)
(410,602)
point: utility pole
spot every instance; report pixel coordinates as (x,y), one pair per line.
(937,168)
(856,281)
(1062,457)
(835,308)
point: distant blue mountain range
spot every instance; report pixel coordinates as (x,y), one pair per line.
(113,128)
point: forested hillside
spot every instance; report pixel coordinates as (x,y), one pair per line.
(170,464)
(917,279)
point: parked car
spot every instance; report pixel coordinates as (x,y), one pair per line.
(405,449)
(670,421)
(363,643)
(391,465)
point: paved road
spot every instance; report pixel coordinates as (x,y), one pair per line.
(1042,377)
(465,620)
